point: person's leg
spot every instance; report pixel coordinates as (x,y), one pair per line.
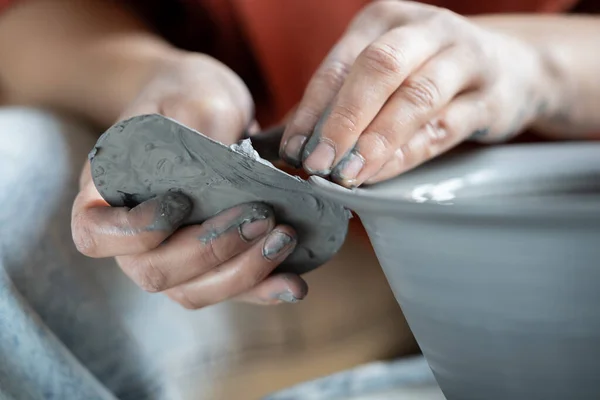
(37,297)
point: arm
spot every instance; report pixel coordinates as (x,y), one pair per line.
(87,56)
(570,50)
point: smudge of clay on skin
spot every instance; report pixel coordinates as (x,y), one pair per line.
(170,212)
(479,134)
(153,155)
(247,215)
(315,138)
(287,297)
(336,173)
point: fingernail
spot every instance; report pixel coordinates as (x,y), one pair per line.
(172,210)
(348,169)
(253,229)
(320,161)
(292,150)
(251,221)
(287,297)
(275,244)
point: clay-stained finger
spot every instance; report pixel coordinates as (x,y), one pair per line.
(194,250)
(420,97)
(375,75)
(239,274)
(467,115)
(276,289)
(103,231)
(373,21)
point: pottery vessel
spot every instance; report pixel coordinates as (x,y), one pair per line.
(494,256)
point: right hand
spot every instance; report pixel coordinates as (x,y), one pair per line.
(230,255)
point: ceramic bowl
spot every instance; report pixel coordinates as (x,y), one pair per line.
(494,256)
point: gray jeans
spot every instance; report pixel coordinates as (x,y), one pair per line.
(72,327)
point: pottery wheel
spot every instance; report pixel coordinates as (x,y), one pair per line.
(140,158)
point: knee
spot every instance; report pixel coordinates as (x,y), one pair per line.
(41,142)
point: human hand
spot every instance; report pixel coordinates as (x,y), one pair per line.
(405,83)
(228,256)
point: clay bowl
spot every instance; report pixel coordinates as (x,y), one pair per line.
(494,256)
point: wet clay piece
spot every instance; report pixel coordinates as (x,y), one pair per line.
(145,156)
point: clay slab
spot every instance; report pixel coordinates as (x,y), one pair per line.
(140,158)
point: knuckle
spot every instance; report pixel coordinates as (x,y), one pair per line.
(305,117)
(333,74)
(421,92)
(148,276)
(346,116)
(439,132)
(83,236)
(380,141)
(216,106)
(212,108)
(384,58)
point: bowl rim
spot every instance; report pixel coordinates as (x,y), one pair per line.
(576,153)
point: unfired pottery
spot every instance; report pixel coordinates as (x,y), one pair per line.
(494,257)
(149,155)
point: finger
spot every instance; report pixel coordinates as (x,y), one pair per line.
(103,231)
(239,274)
(194,250)
(374,20)
(276,289)
(320,91)
(464,116)
(416,102)
(379,70)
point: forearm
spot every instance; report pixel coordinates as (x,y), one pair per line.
(85,56)
(569,48)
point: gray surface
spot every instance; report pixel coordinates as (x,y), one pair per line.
(494,257)
(404,379)
(146,156)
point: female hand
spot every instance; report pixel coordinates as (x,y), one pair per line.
(407,82)
(230,255)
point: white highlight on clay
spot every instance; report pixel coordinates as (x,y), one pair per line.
(245,148)
(445,191)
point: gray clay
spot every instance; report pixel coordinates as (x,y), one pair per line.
(146,156)
(494,257)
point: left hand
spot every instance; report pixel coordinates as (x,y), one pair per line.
(405,83)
